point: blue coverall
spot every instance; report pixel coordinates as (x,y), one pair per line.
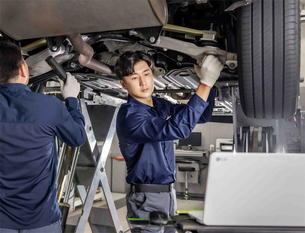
(29,122)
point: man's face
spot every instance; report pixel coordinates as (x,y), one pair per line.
(140,84)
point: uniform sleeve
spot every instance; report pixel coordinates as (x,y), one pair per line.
(70,125)
(208,112)
(138,127)
(209,105)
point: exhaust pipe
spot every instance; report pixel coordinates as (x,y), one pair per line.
(86,53)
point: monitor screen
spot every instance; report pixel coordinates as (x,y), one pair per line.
(193,140)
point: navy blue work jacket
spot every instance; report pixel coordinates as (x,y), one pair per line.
(146,135)
(28,157)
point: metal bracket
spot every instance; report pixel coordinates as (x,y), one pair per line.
(194,51)
(93,98)
(209,36)
(238,4)
(54,43)
(151,34)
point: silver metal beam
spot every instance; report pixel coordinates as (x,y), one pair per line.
(60,160)
(302,113)
(247,142)
(82,193)
(235,127)
(111,206)
(88,127)
(72,172)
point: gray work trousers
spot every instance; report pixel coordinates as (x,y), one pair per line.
(139,205)
(55,227)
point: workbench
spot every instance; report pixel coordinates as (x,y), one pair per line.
(196,179)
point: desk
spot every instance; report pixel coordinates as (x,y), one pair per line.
(182,225)
(191,153)
(189,156)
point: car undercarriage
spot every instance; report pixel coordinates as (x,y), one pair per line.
(257,41)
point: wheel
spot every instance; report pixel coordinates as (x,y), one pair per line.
(268,40)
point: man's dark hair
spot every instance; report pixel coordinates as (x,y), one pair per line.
(126,62)
(10,61)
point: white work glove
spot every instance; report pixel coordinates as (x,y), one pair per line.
(70,88)
(209,71)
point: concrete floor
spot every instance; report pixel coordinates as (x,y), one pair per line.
(182,205)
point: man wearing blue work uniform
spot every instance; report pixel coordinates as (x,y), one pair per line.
(29,122)
(146,128)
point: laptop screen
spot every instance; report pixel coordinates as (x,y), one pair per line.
(255,189)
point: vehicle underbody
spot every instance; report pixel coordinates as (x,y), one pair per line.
(88,38)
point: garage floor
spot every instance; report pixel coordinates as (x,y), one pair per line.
(182,205)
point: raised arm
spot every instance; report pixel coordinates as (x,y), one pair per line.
(70,124)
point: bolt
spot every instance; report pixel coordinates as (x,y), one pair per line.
(201,1)
(54,48)
(132,33)
(231,65)
(151,52)
(184,4)
(73,65)
(152,39)
(180,58)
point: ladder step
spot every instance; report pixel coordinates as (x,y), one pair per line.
(102,229)
(70,228)
(100,216)
(94,228)
(119,203)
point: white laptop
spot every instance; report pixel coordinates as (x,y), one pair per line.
(254,189)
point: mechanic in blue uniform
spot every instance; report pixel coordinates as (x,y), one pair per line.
(147,126)
(29,122)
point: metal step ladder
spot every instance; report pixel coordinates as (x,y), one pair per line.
(89,171)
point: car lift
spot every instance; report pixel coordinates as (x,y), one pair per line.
(267,135)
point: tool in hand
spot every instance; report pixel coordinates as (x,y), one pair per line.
(58,69)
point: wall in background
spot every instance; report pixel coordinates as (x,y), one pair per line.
(116,169)
(211,131)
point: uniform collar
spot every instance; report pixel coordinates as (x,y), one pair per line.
(14,87)
(133,101)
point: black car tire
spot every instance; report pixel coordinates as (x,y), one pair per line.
(268,40)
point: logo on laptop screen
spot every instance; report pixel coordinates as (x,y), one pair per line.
(221,159)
